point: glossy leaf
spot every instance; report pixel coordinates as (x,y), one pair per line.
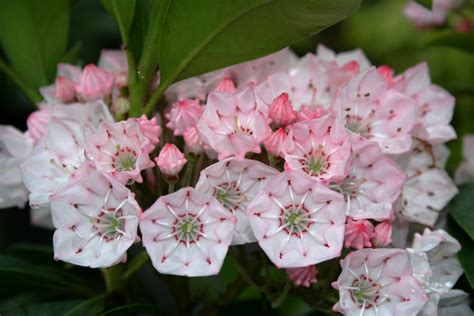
(200,36)
(33,35)
(122,11)
(462,208)
(466,255)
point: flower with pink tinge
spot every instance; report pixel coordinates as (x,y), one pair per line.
(281,111)
(96,221)
(235,183)
(121,150)
(304,276)
(64,89)
(319,147)
(358,233)
(378,282)
(226,85)
(274,143)
(54,94)
(428,188)
(187,233)
(115,61)
(95,83)
(15,146)
(307,113)
(61,151)
(465,171)
(37,123)
(434,105)
(193,141)
(423,17)
(373,184)
(344,58)
(150,129)
(234,123)
(387,73)
(170,160)
(297,221)
(371,111)
(183,115)
(383,234)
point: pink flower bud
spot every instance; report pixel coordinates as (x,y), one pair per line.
(226,85)
(383,234)
(358,233)
(307,113)
(387,73)
(193,141)
(150,129)
(37,123)
(171,160)
(64,89)
(184,114)
(281,111)
(351,67)
(274,143)
(95,83)
(304,276)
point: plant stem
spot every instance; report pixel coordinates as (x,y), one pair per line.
(135,264)
(171,185)
(188,175)
(283,294)
(31,94)
(113,278)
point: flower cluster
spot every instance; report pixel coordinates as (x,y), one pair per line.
(310,157)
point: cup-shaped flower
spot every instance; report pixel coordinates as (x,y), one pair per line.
(304,276)
(96,221)
(121,150)
(15,146)
(235,183)
(95,83)
(297,221)
(184,114)
(170,160)
(234,123)
(187,233)
(318,147)
(371,111)
(378,282)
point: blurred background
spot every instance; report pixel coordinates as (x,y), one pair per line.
(378,27)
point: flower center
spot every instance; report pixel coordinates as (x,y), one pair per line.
(188,229)
(351,185)
(125,159)
(358,125)
(296,220)
(230,196)
(317,163)
(365,293)
(238,129)
(109,224)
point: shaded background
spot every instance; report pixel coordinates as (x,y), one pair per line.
(379,28)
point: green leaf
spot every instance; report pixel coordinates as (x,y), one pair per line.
(462,208)
(122,11)
(91,307)
(33,35)
(459,40)
(130,309)
(201,36)
(426,3)
(466,254)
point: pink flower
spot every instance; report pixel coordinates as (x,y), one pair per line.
(226,85)
(37,123)
(274,143)
(96,220)
(304,276)
(428,188)
(318,147)
(307,113)
(60,154)
(150,129)
(171,160)
(14,148)
(465,171)
(358,233)
(373,184)
(423,17)
(115,61)
(235,183)
(434,105)
(344,58)
(121,150)
(297,221)
(387,73)
(378,282)
(234,123)
(281,111)
(64,89)
(372,112)
(183,115)
(95,83)
(193,141)
(383,234)
(187,233)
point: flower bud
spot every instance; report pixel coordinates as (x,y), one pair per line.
(95,83)
(274,143)
(281,111)
(226,85)
(171,160)
(383,234)
(358,233)
(64,89)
